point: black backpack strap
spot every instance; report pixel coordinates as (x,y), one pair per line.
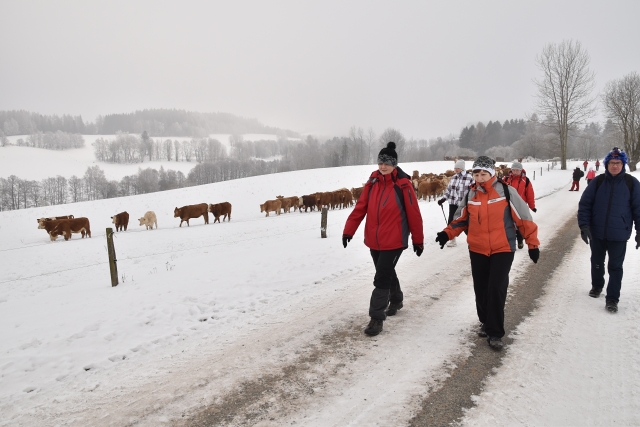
(627,179)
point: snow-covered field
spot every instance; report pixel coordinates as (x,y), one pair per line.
(50,163)
(68,336)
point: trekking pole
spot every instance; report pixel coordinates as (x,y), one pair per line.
(445,217)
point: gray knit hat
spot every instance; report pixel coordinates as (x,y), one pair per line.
(460,164)
(388,155)
(485,163)
(516,165)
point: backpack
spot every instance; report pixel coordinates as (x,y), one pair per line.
(627,178)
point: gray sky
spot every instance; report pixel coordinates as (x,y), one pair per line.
(426,68)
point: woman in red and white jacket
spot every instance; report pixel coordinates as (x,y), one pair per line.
(389,202)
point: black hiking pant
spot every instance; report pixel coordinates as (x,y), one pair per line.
(452,211)
(490,282)
(387,286)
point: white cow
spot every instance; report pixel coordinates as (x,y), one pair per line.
(149,219)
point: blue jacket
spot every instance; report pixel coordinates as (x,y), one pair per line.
(610,209)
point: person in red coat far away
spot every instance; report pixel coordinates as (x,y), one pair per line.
(585,164)
(597,165)
(391,207)
(518,180)
(590,175)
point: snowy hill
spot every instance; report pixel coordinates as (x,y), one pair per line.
(71,344)
(35,163)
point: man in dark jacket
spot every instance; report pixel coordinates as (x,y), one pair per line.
(577,174)
(606,213)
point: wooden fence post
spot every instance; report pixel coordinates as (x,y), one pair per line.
(540,170)
(534,175)
(323,223)
(113,267)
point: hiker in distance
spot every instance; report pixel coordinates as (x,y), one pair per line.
(606,213)
(458,188)
(518,180)
(391,207)
(490,214)
(577,174)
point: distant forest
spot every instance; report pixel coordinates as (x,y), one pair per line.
(157,122)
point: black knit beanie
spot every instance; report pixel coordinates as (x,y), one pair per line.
(388,155)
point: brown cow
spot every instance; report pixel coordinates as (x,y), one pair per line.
(185,213)
(52,218)
(285,204)
(218,209)
(308,201)
(64,227)
(271,206)
(356,192)
(428,189)
(121,220)
(324,199)
(295,202)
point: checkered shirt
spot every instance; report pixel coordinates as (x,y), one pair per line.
(458,187)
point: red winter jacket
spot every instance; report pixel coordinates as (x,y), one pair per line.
(524,187)
(390,205)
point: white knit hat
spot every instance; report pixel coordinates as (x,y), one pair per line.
(460,165)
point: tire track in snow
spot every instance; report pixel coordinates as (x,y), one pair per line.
(446,404)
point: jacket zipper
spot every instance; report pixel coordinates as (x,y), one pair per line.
(606,219)
(384,187)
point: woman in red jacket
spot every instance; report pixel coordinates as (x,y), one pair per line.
(488,214)
(391,207)
(518,180)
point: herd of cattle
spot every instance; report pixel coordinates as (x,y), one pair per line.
(426,185)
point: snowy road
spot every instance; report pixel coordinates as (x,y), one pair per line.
(268,331)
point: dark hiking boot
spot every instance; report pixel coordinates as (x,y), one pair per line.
(495,343)
(611,306)
(393,308)
(482,332)
(595,292)
(520,245)
(374,327)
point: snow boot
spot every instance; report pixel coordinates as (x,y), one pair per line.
(611,306)
(482,332)
(595,292)
(393,308)
(374,327)
(520,245)
(495,343)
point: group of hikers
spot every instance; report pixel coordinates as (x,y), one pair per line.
(496,216)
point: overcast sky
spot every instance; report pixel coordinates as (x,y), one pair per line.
(426,68)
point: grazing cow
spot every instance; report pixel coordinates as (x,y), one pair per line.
(324,199)
(219,209)
(308,201)
(295,202)
(428,189)
(271,206)
(149,220)
(285,204)
(121,221)
(52,218)
(64,227)
(356,193)
(185,213)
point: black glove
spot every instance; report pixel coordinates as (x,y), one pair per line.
(346,238)
(535,210)
(442,239)
(441,201)
(585,233)
(534,254)
(637,240)
(418,249)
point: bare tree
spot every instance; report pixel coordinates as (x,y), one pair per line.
(621,100)
(564,91)
(371,137)
(391,134)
